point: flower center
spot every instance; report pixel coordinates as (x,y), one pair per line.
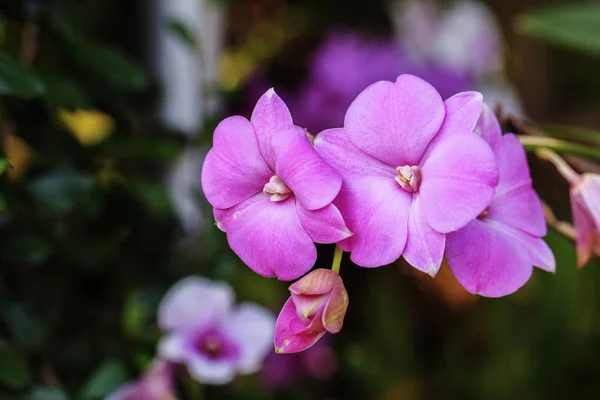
(483,214)
(277,188)
(409,178)
(211,345)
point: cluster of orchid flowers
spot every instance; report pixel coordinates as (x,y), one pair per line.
(409,175)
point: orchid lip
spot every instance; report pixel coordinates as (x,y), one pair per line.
(277,188)
(409,177)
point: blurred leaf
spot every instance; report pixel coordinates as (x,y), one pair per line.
(532,143)
(183,32)
(62,191)
(61,92)
(4,163)
(90,127)
(25,249)
(28,332)
(18,80)
(104,380)
(109,64)
(14,371)
(44,393)
(154,195)
(133,148)
(139,310)
(573,133)
(574,25)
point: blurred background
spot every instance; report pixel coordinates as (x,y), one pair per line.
(106,110)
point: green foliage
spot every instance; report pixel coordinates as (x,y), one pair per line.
(15,79)
(14,371)
(104,380)
(574,25)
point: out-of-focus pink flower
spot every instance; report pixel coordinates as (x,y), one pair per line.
(317,305)
(412,171)
(206,333)
(156,384)
(494,254)
(271,191)
(281,371)
(585,205)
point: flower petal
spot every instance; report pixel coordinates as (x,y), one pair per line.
(459,177)
(486,260)
(539,252)
(512,165)
(335,309)
(234,168)
(376,211)
(287,340)
(211,371)
(462,113)
(489,128)
(174,347)
(587,239)
(251,327)
(394,122)
(270,114)
(179,308)
(314,183)
(424,247)
(325,225)
(339,152)
(268,237)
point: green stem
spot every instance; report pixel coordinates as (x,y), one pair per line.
(561,165)
(532,143)
(572,133)
(337,259)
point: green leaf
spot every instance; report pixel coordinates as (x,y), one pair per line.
(531,143)
(18,80)
(4,164)
(45,393)
(109,64)
(183,32)
(154,196)
(151,149)
(104,380)
(62,92)
(575,25)
(14,371)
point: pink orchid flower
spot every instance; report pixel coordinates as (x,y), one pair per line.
(207,334)
(271,191)
(317,305)
(494,254)
(412,171)
(156,384)
(585,206)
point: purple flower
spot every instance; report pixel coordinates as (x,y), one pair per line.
(271,191)
(317,305)
(412,171)
(214,340)
(156,384)
(494,254)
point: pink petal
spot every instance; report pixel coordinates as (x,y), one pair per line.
(539,252)
(376,211)
(459,176)
(270,114)
(325,225)
(268,237)
(462,113)
(286,340)
(233,169)
(424,247)
(319,281)
(251,327)
(179,308)
(587,239)
(314,183)
(394,122)
(489,128)
(486,260)
(335,310)
(339,152)
(512,165)
(590,192)
(174,347)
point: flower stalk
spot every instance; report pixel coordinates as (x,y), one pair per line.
(337,259)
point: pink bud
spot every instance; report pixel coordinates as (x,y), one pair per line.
(317,305)
(585,202)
